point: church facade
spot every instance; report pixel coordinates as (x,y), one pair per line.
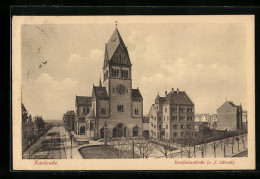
(114,106)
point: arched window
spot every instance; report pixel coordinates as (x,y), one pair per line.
(122,73)
(146,134)
(135,131)
(87,110)
(82,130)
(120,129)
(83,109)
(115,132)
(91,126)
(102,132)
(125,131)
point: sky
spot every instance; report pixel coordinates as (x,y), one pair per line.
(208,60)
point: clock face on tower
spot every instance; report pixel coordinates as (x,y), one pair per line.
(120,89)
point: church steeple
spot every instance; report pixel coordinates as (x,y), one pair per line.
(115,50)
(100,84)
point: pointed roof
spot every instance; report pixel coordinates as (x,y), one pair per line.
(177,97)
(99,93)
(160,99)
(83,100)
(114,41)
(136,94)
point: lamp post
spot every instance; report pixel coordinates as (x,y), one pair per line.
(105,133)
(71,135)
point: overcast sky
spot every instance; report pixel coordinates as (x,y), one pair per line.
(207,60)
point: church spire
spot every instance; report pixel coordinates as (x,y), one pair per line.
(100,84)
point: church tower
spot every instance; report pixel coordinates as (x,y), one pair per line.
(117,76)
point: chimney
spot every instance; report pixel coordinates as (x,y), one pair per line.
(177,90)
(165,93)
(138,88)
(172,90)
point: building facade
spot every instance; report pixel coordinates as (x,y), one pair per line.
(229,116)
(113,101)
(69,120)
(172,116)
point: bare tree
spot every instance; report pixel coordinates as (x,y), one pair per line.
(119,146)
(237,139)
(215,144)
(145,147)
(243,140)
(165,146)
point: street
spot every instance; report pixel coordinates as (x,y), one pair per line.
(52,147)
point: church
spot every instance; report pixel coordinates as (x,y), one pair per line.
(114,105)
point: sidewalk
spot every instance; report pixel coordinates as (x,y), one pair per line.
(72,152)
(27,154)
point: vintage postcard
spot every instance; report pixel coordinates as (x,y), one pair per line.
(133,92)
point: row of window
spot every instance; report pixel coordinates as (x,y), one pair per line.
(115,73)
(126,90)
(175,134)
(120,58)
(174,109)
(175,118)
(175,126)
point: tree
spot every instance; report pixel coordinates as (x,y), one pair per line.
(119,146)
(237,139)
(40,124)
(24,114)
(189,142)
(215,144)
(165,146)
(145,147)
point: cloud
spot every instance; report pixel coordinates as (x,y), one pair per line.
(48,97)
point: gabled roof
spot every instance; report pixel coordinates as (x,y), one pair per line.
(177,97)
(136,94)
(99,92)
(160,99)
(232,104)
(113,43)
(83,100)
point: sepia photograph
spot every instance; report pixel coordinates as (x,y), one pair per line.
(133,92)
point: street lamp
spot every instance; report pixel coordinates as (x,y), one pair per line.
(71,135)
(105,133)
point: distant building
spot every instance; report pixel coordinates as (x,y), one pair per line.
(83,106)
(146,126)
(209,119)
(69,120)
(213,121)
(229,116)
(202,118)
(172,116)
